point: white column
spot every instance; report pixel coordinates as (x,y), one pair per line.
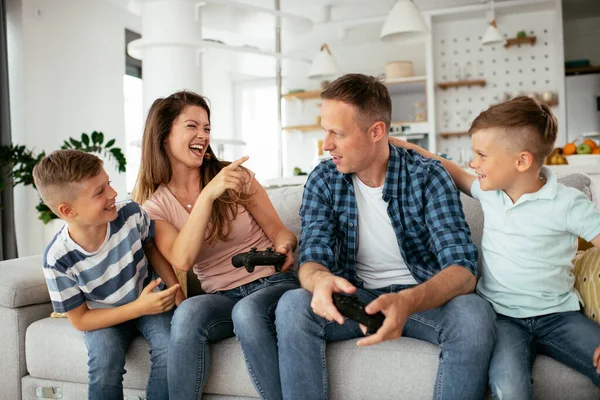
(169,48)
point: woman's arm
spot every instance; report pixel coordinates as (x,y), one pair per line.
(264,213)
(182,248)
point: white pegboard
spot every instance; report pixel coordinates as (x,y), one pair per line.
(457,52)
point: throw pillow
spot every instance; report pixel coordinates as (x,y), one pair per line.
(587,281)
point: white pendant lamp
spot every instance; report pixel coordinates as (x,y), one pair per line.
(404,21)
(324,66)
(492,34)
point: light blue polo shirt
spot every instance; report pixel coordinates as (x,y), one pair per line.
(527,247)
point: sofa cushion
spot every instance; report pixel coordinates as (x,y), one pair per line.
(587,281)
(56,351)
(287,201)
(22,282)
(403,368)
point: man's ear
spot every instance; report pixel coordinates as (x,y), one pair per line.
(66,211)
(378,131)
(524,161)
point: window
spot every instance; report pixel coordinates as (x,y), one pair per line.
(257,122)
(134,112)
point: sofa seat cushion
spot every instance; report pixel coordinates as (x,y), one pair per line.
(56,351)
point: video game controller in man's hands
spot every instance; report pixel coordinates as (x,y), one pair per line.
(253,258)
(351,307)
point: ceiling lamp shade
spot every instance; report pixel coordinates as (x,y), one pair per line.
(324,66)
(492,34)
(404,21)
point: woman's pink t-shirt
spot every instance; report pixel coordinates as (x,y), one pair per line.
(214,270)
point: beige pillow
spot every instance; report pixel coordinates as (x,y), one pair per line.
(587,281)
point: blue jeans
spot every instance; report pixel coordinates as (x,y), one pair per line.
(248,312)
(106,351)
(569,337)
(463,327)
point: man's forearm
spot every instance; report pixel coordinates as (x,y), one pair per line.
(450,282)
(309,273)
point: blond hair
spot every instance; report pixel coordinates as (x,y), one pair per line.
(56,174)
(155,168)
(528,125)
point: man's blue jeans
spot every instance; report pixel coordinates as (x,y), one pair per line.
(569,337)
(463,327)
(106,352)
(249,312)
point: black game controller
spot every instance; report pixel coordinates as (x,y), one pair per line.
(253,258)
(351,307)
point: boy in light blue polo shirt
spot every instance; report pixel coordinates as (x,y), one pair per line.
(531,225)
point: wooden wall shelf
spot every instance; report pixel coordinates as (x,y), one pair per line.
(447,135)
(551,103)
(446,85)
(303,128)
(591,69)
(518,41)
(313,94)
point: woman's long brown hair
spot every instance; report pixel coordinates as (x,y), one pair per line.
(155,168)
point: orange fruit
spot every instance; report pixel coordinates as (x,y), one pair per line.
(569,149)
(592,144)
(596,150)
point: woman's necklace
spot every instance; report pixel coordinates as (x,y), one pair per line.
(188,205)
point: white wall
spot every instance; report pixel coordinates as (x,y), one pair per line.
(359,50)
(581,39)
(67,67)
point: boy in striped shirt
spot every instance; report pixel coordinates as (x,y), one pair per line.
(98,274)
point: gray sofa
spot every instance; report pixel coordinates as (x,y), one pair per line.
(40,352)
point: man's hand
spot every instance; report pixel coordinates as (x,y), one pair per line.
(322,301)
(289,256)
(396,309)
(230,177)
(597,359)
(151,302)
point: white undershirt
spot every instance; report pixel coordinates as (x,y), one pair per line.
(378,259)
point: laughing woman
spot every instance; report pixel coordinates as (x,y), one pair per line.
(206,211)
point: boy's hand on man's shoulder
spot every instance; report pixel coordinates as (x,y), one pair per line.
(157,302)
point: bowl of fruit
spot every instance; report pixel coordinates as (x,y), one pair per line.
(585,153)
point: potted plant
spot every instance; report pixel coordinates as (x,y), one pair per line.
(17,162)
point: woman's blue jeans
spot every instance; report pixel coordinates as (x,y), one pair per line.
(248,312)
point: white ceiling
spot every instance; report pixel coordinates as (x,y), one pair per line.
(225,23)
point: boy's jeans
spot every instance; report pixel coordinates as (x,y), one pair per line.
(106,352)
(569,337)
(463,327)
(208,318)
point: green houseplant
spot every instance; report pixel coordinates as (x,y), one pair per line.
(17,162)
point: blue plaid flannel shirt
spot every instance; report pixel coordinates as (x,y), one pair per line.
(423,205)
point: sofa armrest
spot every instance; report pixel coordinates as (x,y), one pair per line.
(22,282)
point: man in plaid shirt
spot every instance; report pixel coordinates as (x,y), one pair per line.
(387,225)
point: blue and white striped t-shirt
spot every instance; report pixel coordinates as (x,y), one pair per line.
(112,276)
